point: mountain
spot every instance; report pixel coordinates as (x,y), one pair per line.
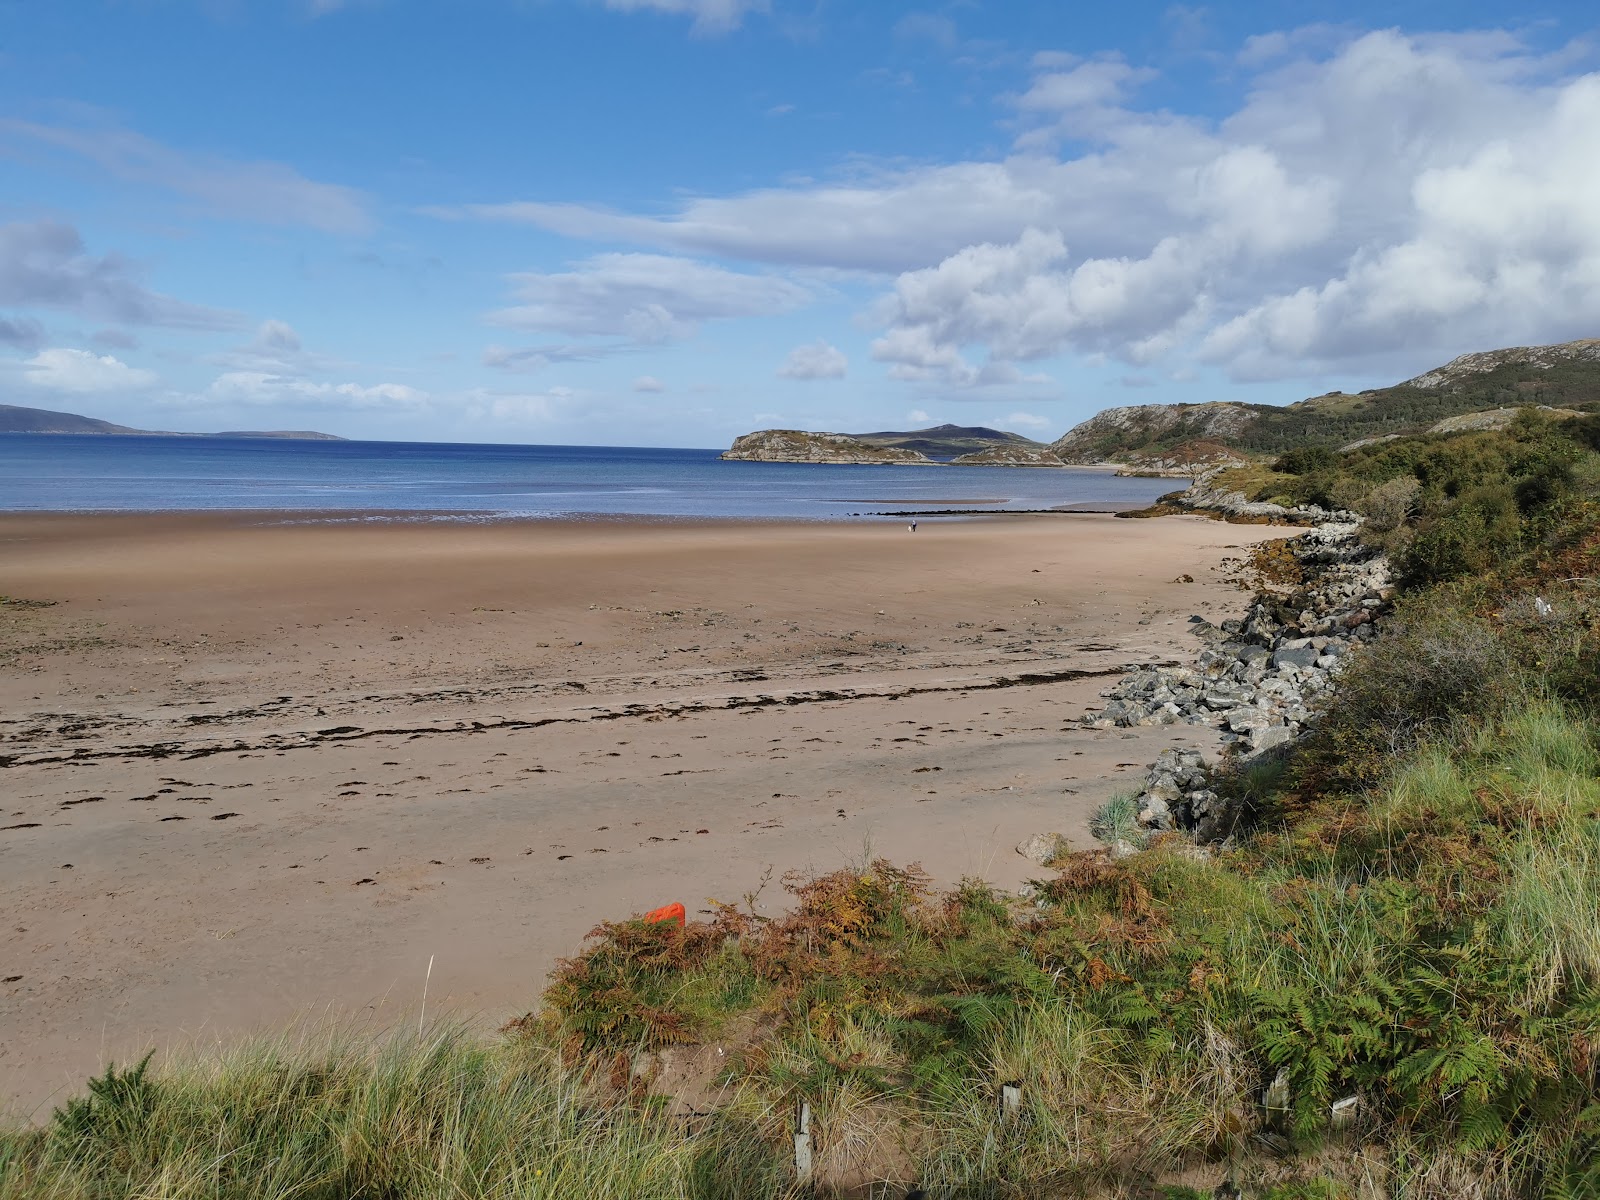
(1563,376)
(16,419)
(946,441)
(798,446)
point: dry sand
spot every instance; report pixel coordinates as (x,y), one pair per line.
(253,768)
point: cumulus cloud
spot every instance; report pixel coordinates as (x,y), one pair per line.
(79,372)
(814,360)
(260,389)
(268,192)
(648,383)
(44,264)
(1376,201)
(21,333)
(710,16)
(1084,85)
(643,298)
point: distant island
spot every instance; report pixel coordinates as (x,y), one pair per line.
(14,418)
(958,445)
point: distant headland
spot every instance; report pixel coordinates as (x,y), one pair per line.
(14,418)
(960,445)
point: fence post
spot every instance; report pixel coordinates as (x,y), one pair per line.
(1010,1102)
(802,1144)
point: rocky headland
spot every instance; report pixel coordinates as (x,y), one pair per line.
(799,446)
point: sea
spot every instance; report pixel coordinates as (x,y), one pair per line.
(363,480)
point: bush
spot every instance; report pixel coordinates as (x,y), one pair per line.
(1306,460)
(1435,661)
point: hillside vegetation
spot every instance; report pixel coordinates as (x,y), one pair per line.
(949,441)
(1387,986)
(1563,376)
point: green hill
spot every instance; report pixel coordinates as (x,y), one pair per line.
(945,441)
(1560,376)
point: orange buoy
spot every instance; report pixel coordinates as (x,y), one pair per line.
(668,912)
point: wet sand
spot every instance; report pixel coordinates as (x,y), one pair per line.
(253,768)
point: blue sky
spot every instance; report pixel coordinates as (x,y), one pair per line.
(667,222)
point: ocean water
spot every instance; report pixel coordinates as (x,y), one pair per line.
(58,473)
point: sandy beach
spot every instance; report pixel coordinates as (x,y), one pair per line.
(253,768)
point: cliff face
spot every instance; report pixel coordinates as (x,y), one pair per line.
(1009,456)
(1117,434)
(795,445)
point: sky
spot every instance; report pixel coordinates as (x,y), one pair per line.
(669,222)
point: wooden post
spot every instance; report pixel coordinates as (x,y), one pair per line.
(1010,1102)
(802,1144)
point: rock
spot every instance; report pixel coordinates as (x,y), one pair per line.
(1269,737)
(1301,656)
(1248,720)
(1163,788)
(1156,814)
(1043,848)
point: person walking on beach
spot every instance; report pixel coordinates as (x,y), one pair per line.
(912,527)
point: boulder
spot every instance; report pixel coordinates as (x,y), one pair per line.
(1295,656)
(1043,848)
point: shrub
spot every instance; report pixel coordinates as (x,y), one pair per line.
(1434,661)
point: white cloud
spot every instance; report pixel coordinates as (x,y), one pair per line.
(276,349)
(1376,201)
(519,408)
(814,360)
(916,414)
(648,383)
(82,373)
(260,389)
(643,298)
(44,264)
(1025,420)
(269,192)
(710,16)
(1101,82)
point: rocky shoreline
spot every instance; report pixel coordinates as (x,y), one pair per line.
(1257,677)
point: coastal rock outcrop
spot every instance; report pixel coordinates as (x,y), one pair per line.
(1184,461)
(1258,677)
(1118,433)
(798,446)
